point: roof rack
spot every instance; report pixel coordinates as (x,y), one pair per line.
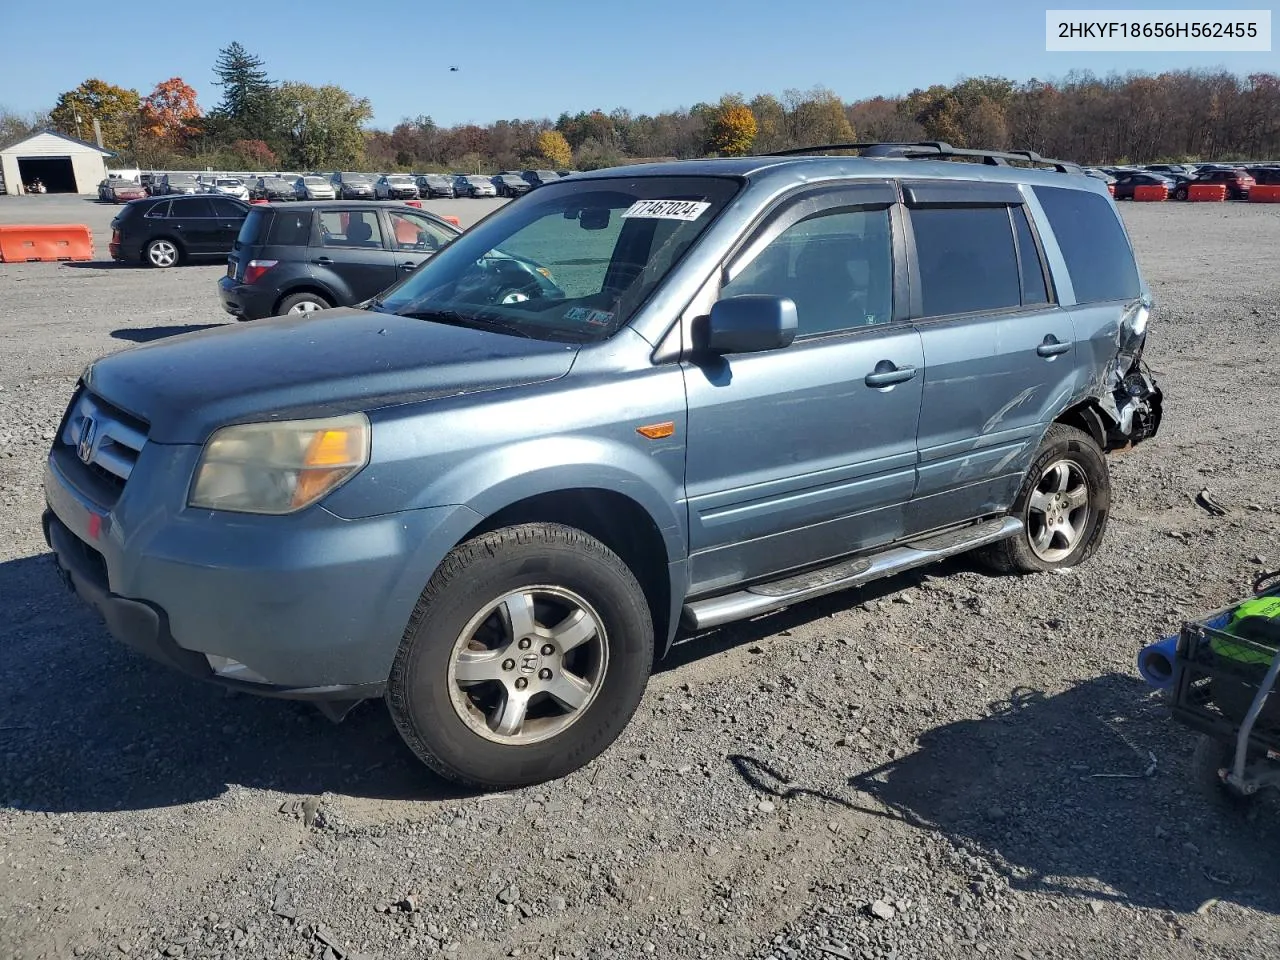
(934,150)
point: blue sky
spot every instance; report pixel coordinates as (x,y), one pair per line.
(556,55)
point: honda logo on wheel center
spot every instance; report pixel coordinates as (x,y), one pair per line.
(529,663)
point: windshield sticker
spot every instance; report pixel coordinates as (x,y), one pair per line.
(596,318)
(666,209)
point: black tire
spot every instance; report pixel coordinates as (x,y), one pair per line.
(423,698)
(1061,444)
(289,303)
(1210,756)
(1180,193)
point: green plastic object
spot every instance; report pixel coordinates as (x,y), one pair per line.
(1259,608)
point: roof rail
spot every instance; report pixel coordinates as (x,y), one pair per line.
(934,150)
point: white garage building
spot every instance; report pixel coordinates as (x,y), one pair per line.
(64,164)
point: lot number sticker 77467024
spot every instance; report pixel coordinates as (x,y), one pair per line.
(666,209)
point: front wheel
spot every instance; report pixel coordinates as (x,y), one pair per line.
(1063,505)
(525,658)
(1180,193)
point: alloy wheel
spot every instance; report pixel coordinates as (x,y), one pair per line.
(1058,512)
(528,665)
(162,253)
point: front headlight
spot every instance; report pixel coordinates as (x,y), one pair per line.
(279,467)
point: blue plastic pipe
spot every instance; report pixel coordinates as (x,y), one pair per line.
(1155,662)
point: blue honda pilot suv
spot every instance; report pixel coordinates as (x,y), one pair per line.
(743,383)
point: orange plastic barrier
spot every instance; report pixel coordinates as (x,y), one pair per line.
(1111,189)
(454,220)
(64,241)
(1265,193)
(1210,192)
(256,202)
(413,203)
(1150,192)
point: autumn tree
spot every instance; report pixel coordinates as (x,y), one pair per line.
(115,109)
(254,155)
(14,125)
(816,116)
(555,149)
(731,128)
(323,127)
(168,111)
(771,123)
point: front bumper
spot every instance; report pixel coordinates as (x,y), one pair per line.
(310,605)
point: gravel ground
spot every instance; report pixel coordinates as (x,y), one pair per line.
(945,765)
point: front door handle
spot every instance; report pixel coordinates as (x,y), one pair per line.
(886,374)
(323,260)
(408,266)
(1052,347)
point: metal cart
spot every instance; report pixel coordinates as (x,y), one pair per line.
(1223,686)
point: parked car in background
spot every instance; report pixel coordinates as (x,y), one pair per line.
(165,231)
(275,188)
(1126,184)
(229,187)
(1099,174)
(434,185)
(538,178)
(566,173)
(510,185)
(1168,168)
(353,186)
(173,183)
(1265,175)
(307,257)
(395,186)
(474,185)
(1235,179)
(147,180)
(122,191)
(313,187)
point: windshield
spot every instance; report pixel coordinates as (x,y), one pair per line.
(316,180)
(359,177)
(400,179)
(573,261)
(228,183)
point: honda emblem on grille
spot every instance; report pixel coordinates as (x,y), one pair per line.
(84,449)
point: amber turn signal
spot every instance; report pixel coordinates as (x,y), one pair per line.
(657,431)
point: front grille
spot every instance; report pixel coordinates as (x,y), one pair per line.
(99,446)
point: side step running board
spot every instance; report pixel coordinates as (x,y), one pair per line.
(763,597)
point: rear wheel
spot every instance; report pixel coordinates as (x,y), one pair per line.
(1063,505)
(525,658)
(302,303)
(162,253)
(1180,193)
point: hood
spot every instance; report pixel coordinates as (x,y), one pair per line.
(333,362)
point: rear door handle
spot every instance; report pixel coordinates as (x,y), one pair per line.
(886,374)
(407,266)
(1052,347)
(323,260)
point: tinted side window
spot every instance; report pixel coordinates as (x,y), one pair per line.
(160,210)
(1099,260)
(190,207)
(1034,288)
(967,259)
(226,207)
(290,229)
(836,266)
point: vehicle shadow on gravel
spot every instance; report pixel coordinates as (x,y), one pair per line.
(1058,791)
(103,265)
(87,725)
(149,334)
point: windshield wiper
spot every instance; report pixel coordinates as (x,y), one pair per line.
(456,319)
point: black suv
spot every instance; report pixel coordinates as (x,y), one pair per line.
(300,257)
(165,231)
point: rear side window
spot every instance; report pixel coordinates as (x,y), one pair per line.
(159,211)
(251,229)
(967,259)
(192,207)
(1093,243)
(1034,288)
(290,229)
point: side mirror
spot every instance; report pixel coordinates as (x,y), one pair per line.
(751,323)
